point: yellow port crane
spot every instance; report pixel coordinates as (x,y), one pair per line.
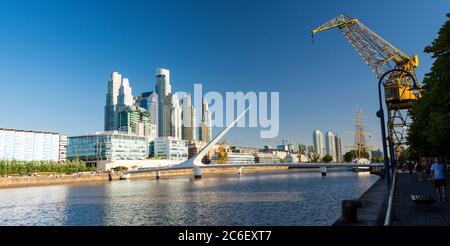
(381,56)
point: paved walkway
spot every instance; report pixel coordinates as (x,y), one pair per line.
(407,213)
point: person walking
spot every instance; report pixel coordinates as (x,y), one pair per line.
(440,183)
(410,167)
(419,169)
(428,162)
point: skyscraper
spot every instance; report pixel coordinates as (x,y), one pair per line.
(137,121)
(163,89)
(175,120)
(188,115)
(330,147)
(338,144)
(119,94)
(318,143)
(205,131)
(149,101)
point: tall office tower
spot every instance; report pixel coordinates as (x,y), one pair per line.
(149,101)
(338,146)
(175,121)
(318,143)
(188,116)
(172,122)
(163,89)
(330,147)
(119,94)
(205,131)
(137,121)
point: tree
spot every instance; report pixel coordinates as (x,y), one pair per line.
(327,158)
(377,160)
(429,133)
(120,168)
(350,155)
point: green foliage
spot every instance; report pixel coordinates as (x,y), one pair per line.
(15,167)
(429,134)
(120,168)
(377,160)
(350,155)
(327,158)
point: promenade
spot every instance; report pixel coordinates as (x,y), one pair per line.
(407,213)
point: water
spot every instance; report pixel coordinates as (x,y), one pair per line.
(287,197)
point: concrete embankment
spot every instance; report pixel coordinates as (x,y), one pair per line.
(373,207)
(24,181)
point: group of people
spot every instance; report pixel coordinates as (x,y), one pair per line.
(434,170)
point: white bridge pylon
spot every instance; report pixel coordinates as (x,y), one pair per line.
(196,160)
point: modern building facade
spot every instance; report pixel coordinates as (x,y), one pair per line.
(235,158)
(261,157)
(137,121)
(170,148)
(163,89)
(189,129)
(318,143)
(330,147)
(31,145)
(149,101)
(205,131)
(338,144)
(119,94)
(112,145)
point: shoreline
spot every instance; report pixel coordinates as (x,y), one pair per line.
(46,180)
(373,207)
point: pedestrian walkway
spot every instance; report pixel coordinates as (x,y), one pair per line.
(408,213)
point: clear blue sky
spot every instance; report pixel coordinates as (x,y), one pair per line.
(57,56)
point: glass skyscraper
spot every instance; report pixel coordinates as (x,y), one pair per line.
(119,94)
(163,89)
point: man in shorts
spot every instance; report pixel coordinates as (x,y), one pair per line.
(438,173)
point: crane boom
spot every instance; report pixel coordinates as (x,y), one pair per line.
(380,56)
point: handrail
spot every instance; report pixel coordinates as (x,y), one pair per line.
(387,219)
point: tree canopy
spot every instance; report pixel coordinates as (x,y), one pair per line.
(350,155)
(429,133)
(327,158)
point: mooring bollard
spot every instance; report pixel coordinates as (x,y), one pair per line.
(349,210)
(197,173)
(323,171)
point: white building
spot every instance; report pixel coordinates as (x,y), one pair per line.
(163,89)
(205,131)
(32,145)
(175,121)
(170,148)
(188,116)
(318,143)
(119,94)
(291,158)
(330,146)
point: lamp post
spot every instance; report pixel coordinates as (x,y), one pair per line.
(380,114)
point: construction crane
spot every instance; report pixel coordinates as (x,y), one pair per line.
(381,56)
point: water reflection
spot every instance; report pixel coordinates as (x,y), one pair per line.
(288,197)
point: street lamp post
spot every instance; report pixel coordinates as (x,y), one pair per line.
(380,114)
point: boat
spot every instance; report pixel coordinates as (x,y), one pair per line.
(361,161)
(124,176)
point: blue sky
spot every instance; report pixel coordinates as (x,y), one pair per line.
(57,56)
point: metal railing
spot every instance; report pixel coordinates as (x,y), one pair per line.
(388,217)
